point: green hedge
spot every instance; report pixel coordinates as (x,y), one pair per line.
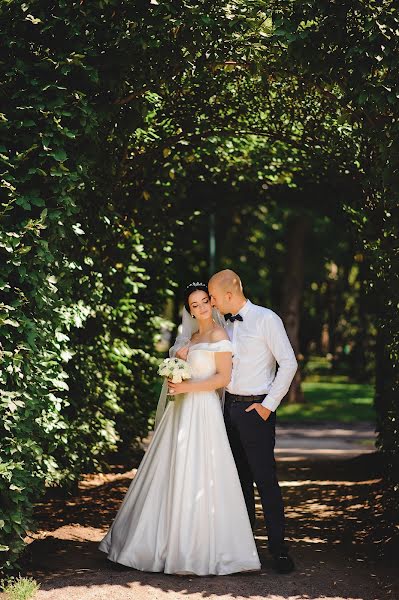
(350,52)
(84,245)
(93,197)
(74,323)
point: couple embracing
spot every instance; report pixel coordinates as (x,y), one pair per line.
(191,508)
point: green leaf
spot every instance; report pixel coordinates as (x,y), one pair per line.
(16,488)
(22,201)
(37,201)
(16,517)
(11,322)
(60,155)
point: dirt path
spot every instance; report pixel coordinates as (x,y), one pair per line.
(326,440)
(336,520)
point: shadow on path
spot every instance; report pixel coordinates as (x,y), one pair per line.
(338,529)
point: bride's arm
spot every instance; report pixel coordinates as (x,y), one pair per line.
(220,379)
(183,352)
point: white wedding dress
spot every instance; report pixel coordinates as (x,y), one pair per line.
(184,511)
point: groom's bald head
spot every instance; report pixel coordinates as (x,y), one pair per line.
(225,289)
(227,280)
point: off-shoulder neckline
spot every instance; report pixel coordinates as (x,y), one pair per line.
(208,343)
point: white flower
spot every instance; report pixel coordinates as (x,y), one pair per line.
(175,369)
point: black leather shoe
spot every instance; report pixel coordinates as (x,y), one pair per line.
(283,563)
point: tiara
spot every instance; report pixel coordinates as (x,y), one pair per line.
(194,283)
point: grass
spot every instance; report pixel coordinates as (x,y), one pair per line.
(331,401)
(19,588)
(329,396)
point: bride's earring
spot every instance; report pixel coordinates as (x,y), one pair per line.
(193,316)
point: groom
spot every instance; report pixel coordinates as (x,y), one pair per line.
(252,396)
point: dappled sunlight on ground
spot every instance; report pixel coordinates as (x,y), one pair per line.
(336,526)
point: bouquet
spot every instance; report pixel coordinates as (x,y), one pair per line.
(175,369)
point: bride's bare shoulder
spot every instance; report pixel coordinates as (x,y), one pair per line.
(194,338)
(218,334)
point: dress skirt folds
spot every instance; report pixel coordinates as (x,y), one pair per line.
(184,511)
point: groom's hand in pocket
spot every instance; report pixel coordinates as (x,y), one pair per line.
(261,410)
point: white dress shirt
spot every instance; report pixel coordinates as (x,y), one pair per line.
(259,342)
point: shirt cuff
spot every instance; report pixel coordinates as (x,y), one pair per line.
(270,403)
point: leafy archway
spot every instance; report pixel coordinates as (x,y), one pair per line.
(98,155)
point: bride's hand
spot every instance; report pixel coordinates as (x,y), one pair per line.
(182,353)
(178,388)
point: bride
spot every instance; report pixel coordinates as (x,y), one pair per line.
(184,511)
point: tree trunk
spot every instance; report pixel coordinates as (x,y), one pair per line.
(293,293)
(358,355)
(176,315)
(332,283)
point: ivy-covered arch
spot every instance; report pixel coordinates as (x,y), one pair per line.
(96,158)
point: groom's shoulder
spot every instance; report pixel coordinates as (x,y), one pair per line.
(263,311)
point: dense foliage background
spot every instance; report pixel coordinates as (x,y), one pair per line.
(146,145)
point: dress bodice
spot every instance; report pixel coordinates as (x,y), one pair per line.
(201,357)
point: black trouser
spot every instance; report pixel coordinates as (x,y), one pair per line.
(252,442)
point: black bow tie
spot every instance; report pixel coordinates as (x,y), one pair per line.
(230,317)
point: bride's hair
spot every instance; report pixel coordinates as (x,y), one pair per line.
(193,287)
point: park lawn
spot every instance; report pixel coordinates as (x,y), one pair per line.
(331,401)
